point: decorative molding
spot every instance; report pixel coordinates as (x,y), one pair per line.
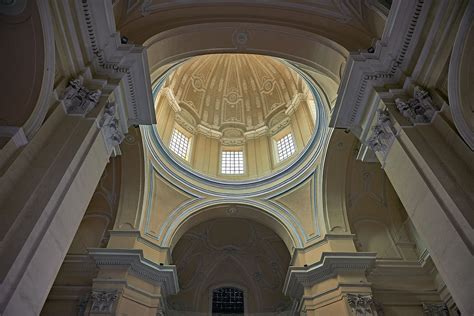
(233,141)
(103,300)
(383,133)
(419,109)
(366,70)
(329,266)
(79,100)
(184,123)
(133,260)
(187,178)
(240,37)
(363,305)
(439,309)
(284,122)
(124,62)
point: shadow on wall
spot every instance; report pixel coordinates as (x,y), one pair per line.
(230,252)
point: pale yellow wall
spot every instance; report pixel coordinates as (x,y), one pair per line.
(260,157)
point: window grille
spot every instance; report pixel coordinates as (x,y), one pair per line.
(285,147)
(227,300)
(232,162)
(179,144)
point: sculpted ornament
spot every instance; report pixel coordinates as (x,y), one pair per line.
(435,310)
(418,109)
(363,305)
(79,100)
(383,133)
(103,300)
(110,126)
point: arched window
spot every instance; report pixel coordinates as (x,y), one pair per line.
(227,300)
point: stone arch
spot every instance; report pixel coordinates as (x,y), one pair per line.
(461,78)
(282,224)
(233,251)
(314,51)
(31,64)
(333,182)
(349,23)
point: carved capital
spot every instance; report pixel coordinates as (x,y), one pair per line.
(77,99)
(362,305)
(103,300)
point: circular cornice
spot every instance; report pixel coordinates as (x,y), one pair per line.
(162,159)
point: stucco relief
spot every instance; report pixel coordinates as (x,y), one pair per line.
(244,89)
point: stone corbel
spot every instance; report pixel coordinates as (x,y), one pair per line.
(383,133)
(418,109)
(79,100)
(110,128)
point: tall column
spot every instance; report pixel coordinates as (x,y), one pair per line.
(44,194)
(434,183)
(429,166)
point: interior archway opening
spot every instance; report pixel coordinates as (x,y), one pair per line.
(230,264)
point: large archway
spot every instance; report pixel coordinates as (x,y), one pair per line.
(230,253)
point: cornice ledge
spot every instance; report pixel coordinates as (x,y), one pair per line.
(112,55)
(385,65)
(163,275)
(331,264)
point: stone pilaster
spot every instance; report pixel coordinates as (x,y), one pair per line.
(128,283)
(324,288)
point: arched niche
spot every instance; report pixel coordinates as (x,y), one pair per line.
(27,71)
(258,212)
(230,251)
(461,78)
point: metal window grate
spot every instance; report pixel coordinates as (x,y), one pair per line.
(179,144)
(285,147)
(232,162)
(227,300)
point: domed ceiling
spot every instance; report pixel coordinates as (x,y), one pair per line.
(235,116)
(238,91)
